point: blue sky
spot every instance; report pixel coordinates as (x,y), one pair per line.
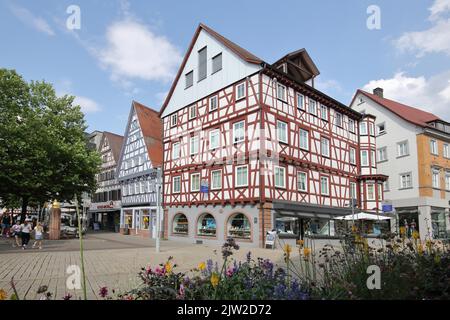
(131,49)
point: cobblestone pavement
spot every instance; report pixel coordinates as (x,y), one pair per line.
(111,260)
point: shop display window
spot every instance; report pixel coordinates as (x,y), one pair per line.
(206,225)
(180,224)
(239,226)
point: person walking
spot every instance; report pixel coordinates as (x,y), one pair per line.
(6,224)
(16,234)
(38,235)
(26,229)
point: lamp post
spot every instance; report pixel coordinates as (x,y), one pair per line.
(158,184)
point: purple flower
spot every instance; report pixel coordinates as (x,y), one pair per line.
(209,265)
(103,292)
(230,272)
(249,257)
(68,296)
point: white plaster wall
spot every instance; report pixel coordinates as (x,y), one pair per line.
(233,69)
(397,130)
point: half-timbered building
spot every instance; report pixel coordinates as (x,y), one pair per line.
(140,155)
(104,209)
(250,147)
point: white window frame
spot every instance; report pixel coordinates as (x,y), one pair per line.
(327,153)
(339,119)
(300,101)
(305,174)
(192,181)
(365,163)
(352,155)
(380,191)
(447,181)
(434,147)
(213,186)
(179,184)
(239,97)
(283,94)
(327,193)
(373,197)
(286,131)
(373,158)
(194,107)
(176,151)
(407,180)
(351,125)
(304,144)
(314,103)
(277,171)
(380,132)
(446,150)
(435,178)
(236,176)
(400,149)
(174,120)
(186,86)
(240,138)
(215,131)
(214,59)
(214,99)
(353,192)
(382,151)
(363,128)
(194,145)
(324,112)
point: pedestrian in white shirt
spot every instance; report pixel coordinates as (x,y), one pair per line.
(26,229)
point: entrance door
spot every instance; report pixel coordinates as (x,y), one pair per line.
(137,220)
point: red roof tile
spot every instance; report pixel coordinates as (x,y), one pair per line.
(408,113)
(152,130)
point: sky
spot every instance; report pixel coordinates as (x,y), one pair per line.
(119,51)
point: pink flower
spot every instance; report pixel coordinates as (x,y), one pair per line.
(230,272)
(103,292)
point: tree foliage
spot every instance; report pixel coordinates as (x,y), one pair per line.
(43,145)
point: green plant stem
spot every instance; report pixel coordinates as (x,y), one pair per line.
(80,233)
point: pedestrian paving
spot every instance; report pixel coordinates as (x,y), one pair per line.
(111,260)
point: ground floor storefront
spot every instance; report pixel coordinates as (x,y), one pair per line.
(139,221)
(250,224)
(431,222)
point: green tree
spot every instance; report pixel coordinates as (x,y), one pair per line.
(43,145)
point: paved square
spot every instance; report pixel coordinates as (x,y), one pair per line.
(111,260)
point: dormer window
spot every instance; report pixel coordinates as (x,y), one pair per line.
(217,63)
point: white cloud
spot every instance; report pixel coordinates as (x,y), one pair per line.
(28,18)
(432,94)
(326,85)
(87,105)
(133,51)
(433,40)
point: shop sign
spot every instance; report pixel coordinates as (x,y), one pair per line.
(270,239)
(204,186)
(387,208)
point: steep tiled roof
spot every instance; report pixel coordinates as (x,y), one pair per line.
(241,52)
(408,113)
(115,142)
(152,130)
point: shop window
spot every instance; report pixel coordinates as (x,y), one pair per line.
(180,224)
(145,219)
(128,219)
(287,226)
(438,223)
(239,226)
(206,225)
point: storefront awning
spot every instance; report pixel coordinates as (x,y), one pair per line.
(363,216)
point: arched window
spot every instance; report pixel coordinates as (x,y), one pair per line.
(206,225)
(239,226)
(180,224)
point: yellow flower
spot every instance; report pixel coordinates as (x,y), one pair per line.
(202,266)
(300,242)
(168,267)
(415,235)
(429,244)
(3,294)
(306,252)
(354,229)
(402,231)
(420,249)
(214,280)
(287,249)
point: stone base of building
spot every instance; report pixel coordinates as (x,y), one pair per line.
(212,225)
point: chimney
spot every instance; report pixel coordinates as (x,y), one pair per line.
(378,92)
